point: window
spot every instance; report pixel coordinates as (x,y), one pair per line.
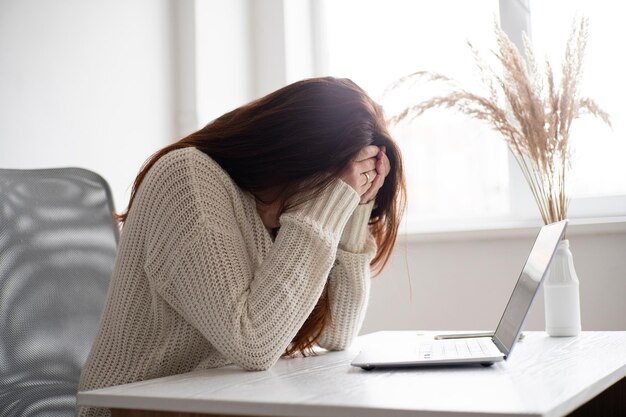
(459,172)
(456,167)
(598,178)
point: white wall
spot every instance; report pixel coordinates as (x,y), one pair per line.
(462,281)
(247,48)
(86,83)
(223,57)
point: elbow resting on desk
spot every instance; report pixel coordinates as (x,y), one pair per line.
(332,342)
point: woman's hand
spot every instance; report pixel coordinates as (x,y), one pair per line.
(367,172)
(382,170)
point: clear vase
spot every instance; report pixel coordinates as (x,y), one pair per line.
(561,294)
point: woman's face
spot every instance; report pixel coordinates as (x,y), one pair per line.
(269,213)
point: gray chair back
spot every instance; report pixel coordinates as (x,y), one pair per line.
(58,242)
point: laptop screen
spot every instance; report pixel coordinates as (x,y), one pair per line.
(528,283)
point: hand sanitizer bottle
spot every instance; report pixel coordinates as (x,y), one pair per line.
(561,294)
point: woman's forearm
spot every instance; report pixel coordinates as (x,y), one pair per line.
(349,281)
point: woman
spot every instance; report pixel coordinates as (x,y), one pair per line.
(252,238)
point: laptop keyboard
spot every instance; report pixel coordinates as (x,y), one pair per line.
(456,348)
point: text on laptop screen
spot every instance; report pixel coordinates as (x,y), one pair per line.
(527,284)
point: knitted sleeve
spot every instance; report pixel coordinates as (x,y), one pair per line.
(349,281)
(250,310)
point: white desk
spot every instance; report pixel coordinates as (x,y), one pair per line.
(544,377)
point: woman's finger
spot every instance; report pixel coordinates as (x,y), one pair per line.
(366,179)
(373,190)
(366,165)
(383,166)
(368,152)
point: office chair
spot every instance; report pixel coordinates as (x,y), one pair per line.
(58,242)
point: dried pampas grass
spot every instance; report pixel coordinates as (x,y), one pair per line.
(524,105)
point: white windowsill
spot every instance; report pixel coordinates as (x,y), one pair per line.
(512,230)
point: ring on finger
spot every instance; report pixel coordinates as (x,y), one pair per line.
(367,178)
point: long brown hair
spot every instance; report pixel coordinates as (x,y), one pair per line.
(299,138)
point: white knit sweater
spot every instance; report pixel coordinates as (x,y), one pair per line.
(199,282)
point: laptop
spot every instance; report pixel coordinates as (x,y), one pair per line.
(479,350)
